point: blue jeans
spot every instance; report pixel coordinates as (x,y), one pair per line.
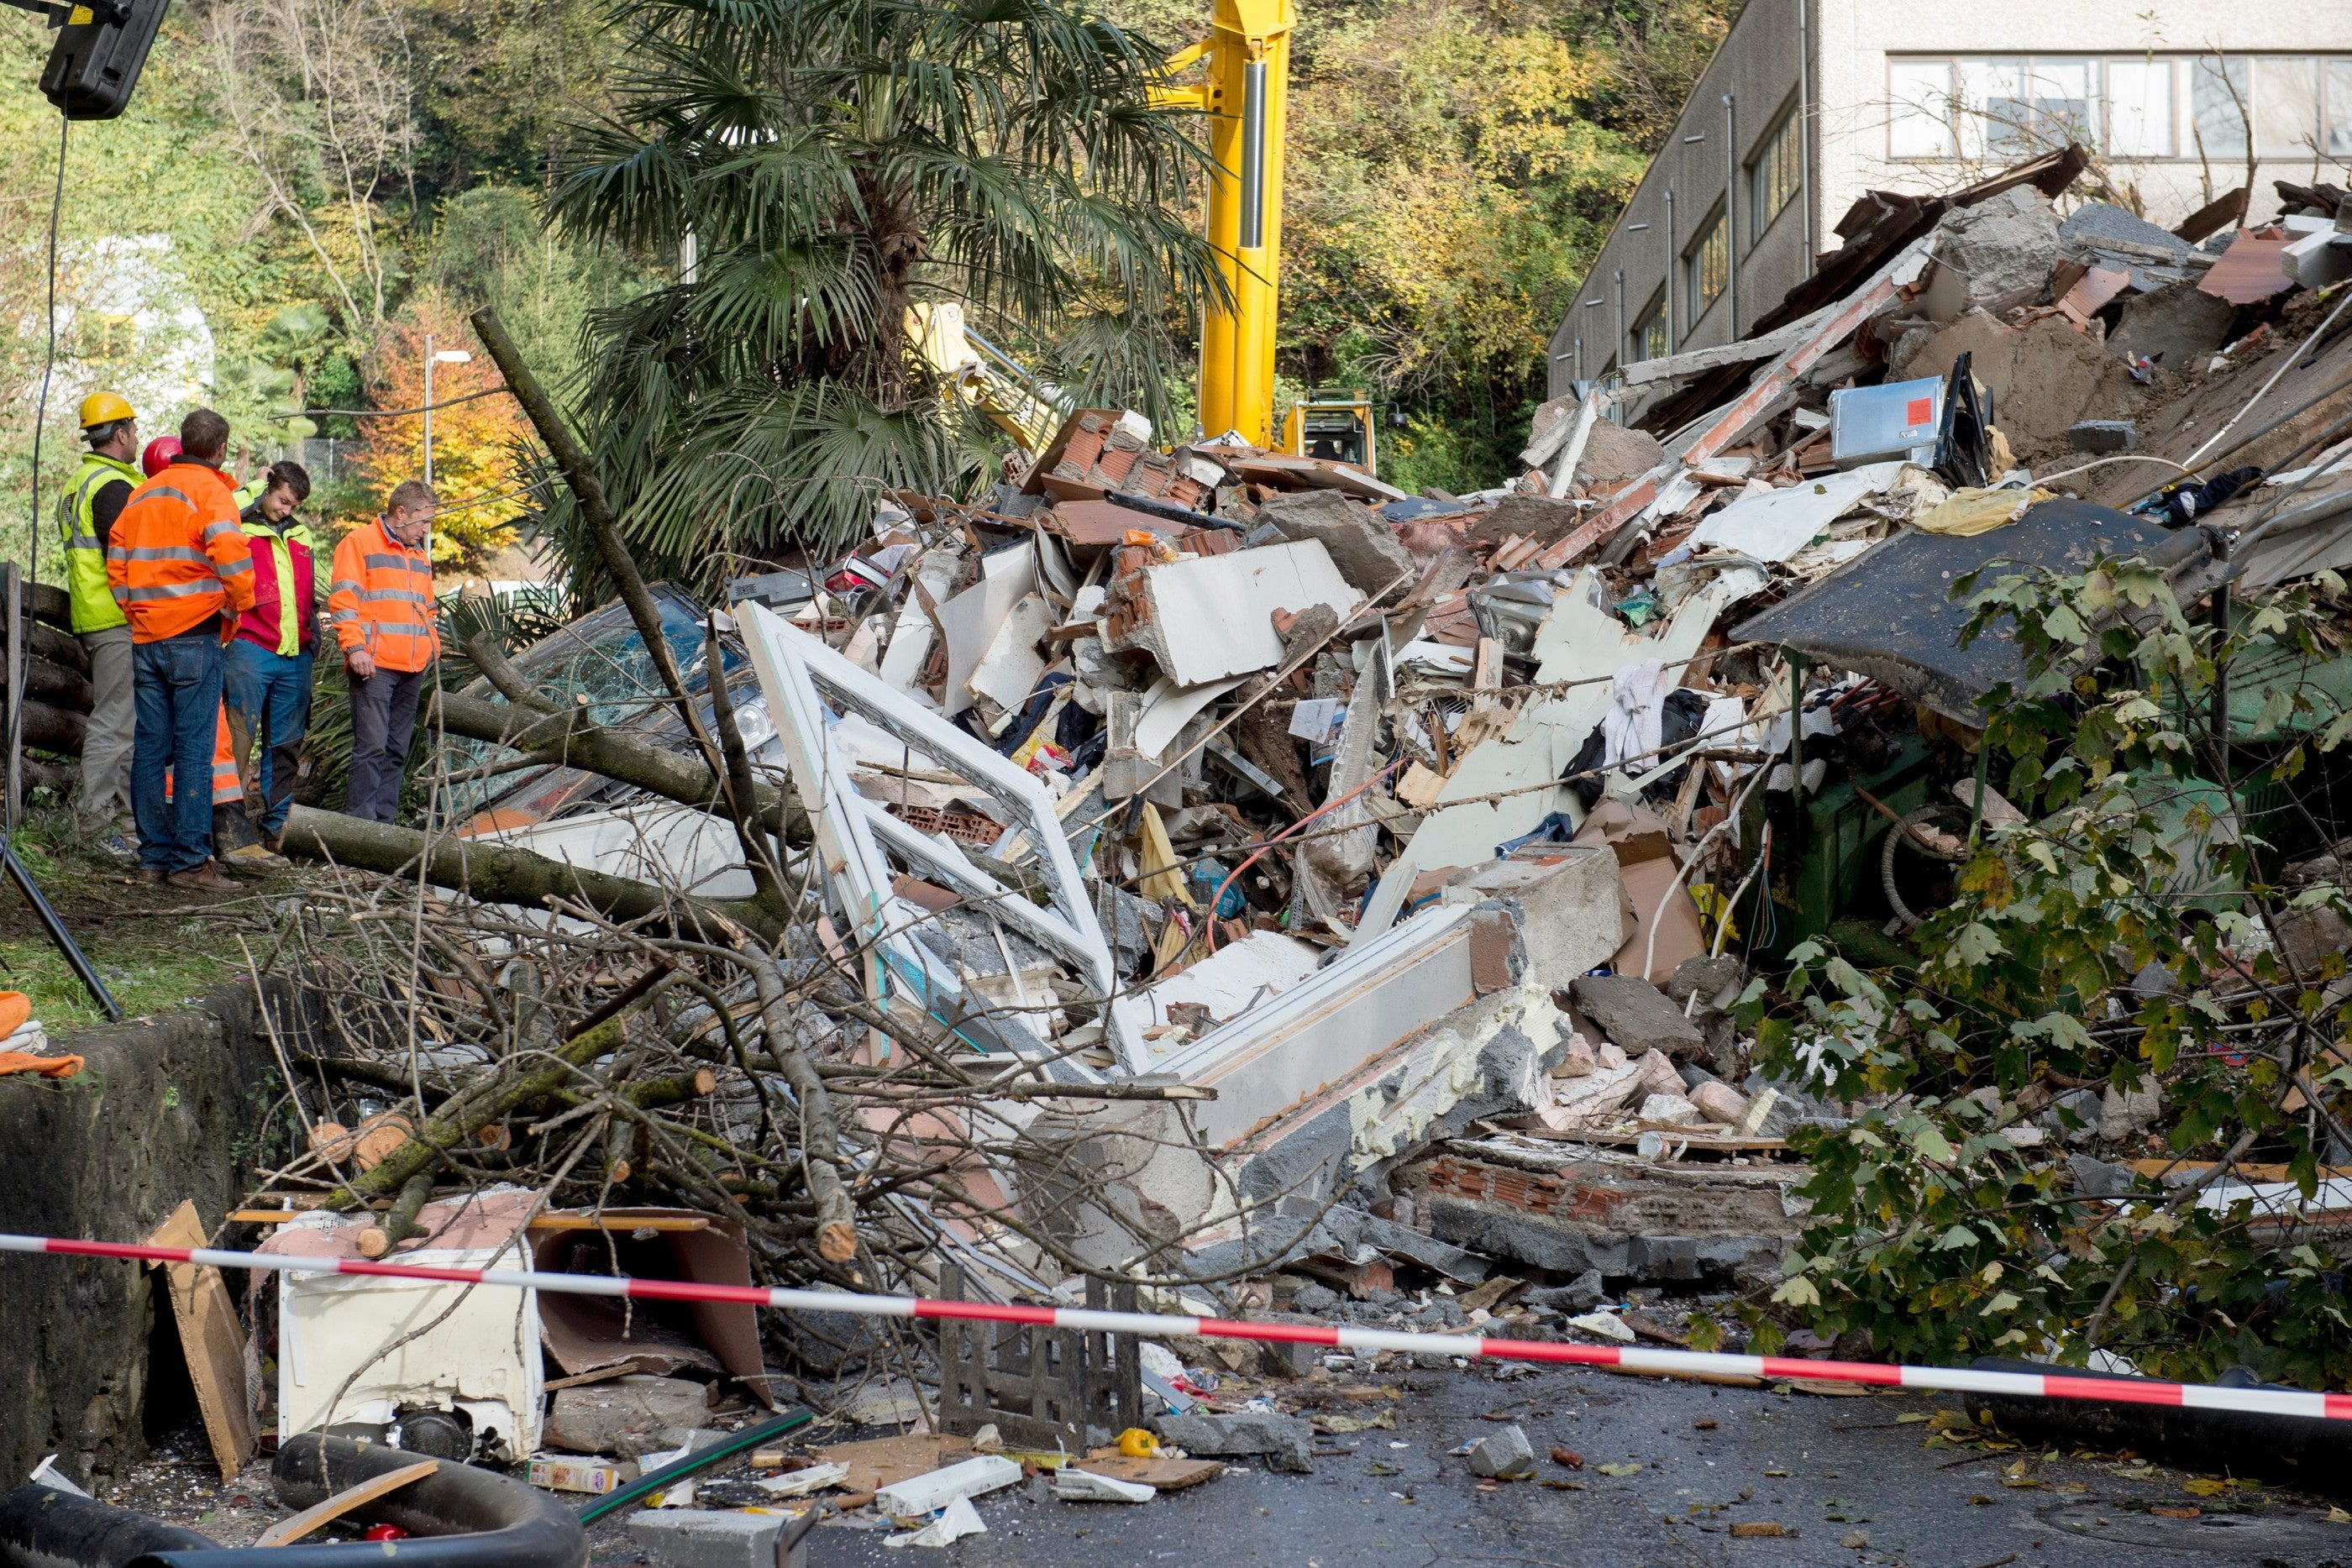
(177,689)
(269,701)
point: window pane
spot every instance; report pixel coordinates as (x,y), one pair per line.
(2286,107)
(1778,173)
(1650,332)
(1919,108)
(1996,109)
(2220,124)
(2340,109)
(1709,266)
(2062,98)
(2139,109)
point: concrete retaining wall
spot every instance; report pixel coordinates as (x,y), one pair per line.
(166,1109)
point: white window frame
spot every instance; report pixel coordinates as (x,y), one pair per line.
(2332,69)
(1761,213)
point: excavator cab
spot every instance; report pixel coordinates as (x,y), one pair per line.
(1335,425)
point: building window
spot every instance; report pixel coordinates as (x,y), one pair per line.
(1708,263)
(1776,175)
(2220,97)
(2286,113)
(1919,102)
(1650,331)
(2139,109)
(2016,108)
(2003,107)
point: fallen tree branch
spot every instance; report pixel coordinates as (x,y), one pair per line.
(459,1120)
(496,873)
(836,1217)
(579,470)
(570,738)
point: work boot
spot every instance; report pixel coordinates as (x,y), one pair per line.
(253,861)
(205,878)
(149,874)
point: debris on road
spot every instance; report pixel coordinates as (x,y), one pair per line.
(1208,881)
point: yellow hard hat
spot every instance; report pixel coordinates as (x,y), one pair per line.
(104,408)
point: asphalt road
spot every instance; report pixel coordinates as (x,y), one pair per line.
(1831,1472)
(1828,1471)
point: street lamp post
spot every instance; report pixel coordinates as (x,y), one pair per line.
(445,357)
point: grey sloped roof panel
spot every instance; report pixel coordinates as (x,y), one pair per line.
(1890,613)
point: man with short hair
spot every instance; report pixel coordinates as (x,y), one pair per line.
(91,501)
(181,570)
(381,601)
(268,662)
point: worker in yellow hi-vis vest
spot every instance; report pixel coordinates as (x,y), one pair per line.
(87,507)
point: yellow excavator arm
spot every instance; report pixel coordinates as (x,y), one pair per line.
(985,376)
(1245,93)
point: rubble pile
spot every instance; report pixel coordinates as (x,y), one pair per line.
(1216,876)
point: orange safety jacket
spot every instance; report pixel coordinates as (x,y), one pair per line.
(176,557)
(381,599)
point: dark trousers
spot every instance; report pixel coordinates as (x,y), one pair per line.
(269,701)
(176,694)
(384,722)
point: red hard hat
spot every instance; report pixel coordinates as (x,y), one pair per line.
(159,454)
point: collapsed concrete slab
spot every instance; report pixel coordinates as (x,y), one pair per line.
(1564,907)
(1568,1209)
(1994,255)
(1361,544)
(2172,325)
(1207,618)
(1110,1180)
(1635,1015)
(1277,1054)
(1487,1059)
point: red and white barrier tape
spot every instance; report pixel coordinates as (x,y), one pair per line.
(1164,1325)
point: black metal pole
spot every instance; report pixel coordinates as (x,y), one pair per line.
(57,933)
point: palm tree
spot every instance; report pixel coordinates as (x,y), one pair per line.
(825,163)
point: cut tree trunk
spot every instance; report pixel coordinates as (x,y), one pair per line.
(53,728)
(57,685)
(57,647)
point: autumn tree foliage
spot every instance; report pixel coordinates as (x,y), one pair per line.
(474,442)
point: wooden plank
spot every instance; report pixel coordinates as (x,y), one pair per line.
(1675,367)
(287,1531)
(213,1341)
(2214,216)
(1166,1475)
(2156,1169)
(879,1462)
(1732,422)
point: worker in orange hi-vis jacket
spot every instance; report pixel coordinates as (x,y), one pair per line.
(183,571)
(380,601)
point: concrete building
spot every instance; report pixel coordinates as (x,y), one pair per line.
(1809,103)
